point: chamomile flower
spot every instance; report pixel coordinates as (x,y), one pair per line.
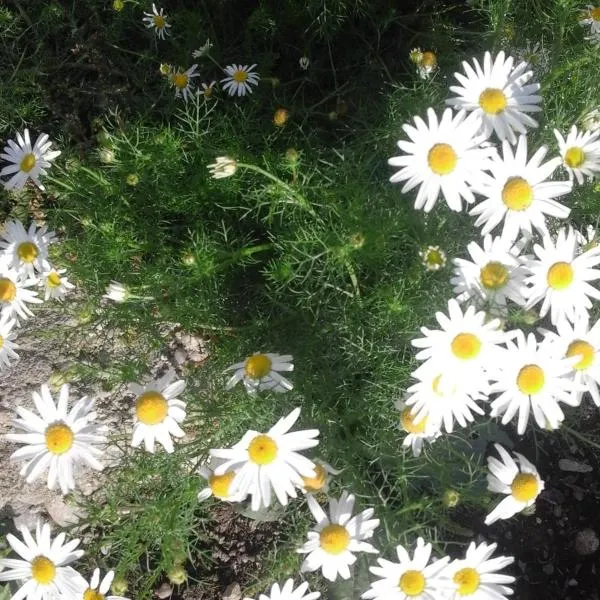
(27,162)
(57,439)
(476,576)
(520,482)
(218,486)
(519,193)
(591,17)
(419,430)
(591,121)
(531,377)
(203,50)
(158,412)
(269,462)
(442,156)
(157,20)
(262,372)
(427,65)
(56,285)
(494,274)
(580,153)
(409,578)
(27,250)
(182,81)
(43,566)
(239,79)
(498,95)
(15,294)
(7,344)
(223,167)
(332,545)
(117,292)
(287,592)
(433,258)
(208,88)
(416,56)
(560,277)
(97,590)
(320,482)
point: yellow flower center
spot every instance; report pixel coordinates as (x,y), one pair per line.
(493,276)
(258,366)
(574,157)
(159,21)
(467,580)
(582,349)
(442,159)
(27,252)
(429,59)
(240,76)
(531,379)
(407,419)
(219,484)
(91,594)
(466,346)
(59,438)
(334,538)
(524,487)
(517,194)
(262,450)
(180,80)
(27,163)
(434,257)
(281,117)
(412,583)
(8,290)
(43,570)
(53,280)
(1,342)
(560,276)
(595,13)
(151,408)
(492,101)
(316,483)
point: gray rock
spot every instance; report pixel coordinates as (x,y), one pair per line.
(586,542)
(232,592)
(573,466)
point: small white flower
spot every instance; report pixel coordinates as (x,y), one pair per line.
(218,486)
(56,285)
(239,79)
(15,294)
(261,372)
(7,345)
(580,153)
(117,292)
(304,63)
(222,167)
(203,50)
(287,592)
(420,430)
(591,121)
(591,17)
(97,589)
(182,81)
(26,250)
(208,89)
(320,482)
(433,258)
(157,20)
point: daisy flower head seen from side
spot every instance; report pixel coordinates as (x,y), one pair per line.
(332,544)
(117,292)
(223,167)
(182,81)
(57,439)
(580,153)
(7,344)
(409,578)
(98,590)
(157,20)
(261,372)
(239,79)
(591,16)
(320,482)
(560,277)
(158,412)
(15,295)
(208,89)
(270,463)
(27,162)
(442,155)
(287,592)
(203,50)
(531,377)
(418,430)
(27,250)
(218,486)
(56,285)
(44,565)
(519,193)
(518,479)
(499,95)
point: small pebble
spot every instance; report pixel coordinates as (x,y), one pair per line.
(586,542)
(566,464)
(548,569)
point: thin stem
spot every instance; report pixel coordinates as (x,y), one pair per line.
(244,252)
(581,437)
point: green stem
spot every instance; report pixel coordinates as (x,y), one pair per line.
(580,437)
(244,252)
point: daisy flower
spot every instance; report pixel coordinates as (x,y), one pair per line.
(269,462)
(218,486)
(591,121)
(239,79)
(433,258)
(427,65)
(476,576)
(43,566)
(15,295)
(57,439)
(117,292)
(320,482)
(27,250)
(7,345)
(409,578)
(222,167)
(441,155)
(332,545)
(56,286)
(591,17)
(560,277)
(419,430)
(521,483)
(203,50)
(287,592)
(158,412)
(27,162)
(531,377)
(518,192)
(157,20)
(261,372)
(494,274)
(208,89)
(498,95)
(97,589)
(182,81)
(580,153)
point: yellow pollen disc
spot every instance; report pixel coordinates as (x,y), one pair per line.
(334,539)
(316,483)
(159,21)
(240,76)
(8,290)
(466,346)
(574,157)
(442,159)
(180,80)
(53,280)
(281,117)
(412,583)
(151,408)
(408,422)
(433,257)
(258,366)
(560,276)
(492,101)
(524,487)
(91,594)
(27,163)
(43,570)
(262,450)
(1,342)
(219,484)
(467,580)
(429,59)
(59,438)
(493,276)
(517,194)
(579,348)
(27,252)
(531,379)
(595,13)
